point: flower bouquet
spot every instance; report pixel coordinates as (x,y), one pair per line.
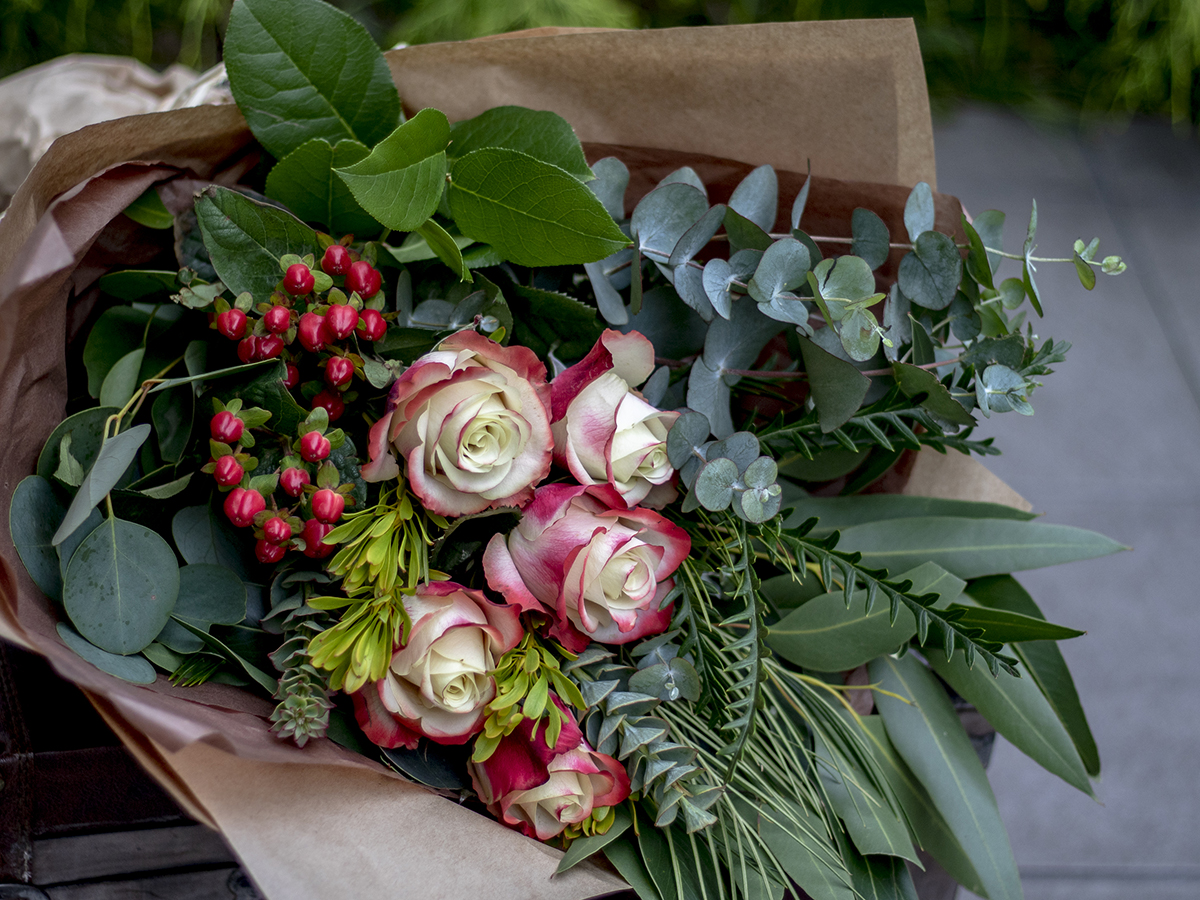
(548,476)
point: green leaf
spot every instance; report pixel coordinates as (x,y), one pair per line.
(874,826)
(121,382)
(583,847)
(1043,661)
(33,516)
(827,635)
(245,239)
(652,844)
(531,212)
(302,69)
(444,247)
(304,182)
(134,284)
(416,249)
(878,877)
(978,265)
(204,536)
(119,331)
(783,268)
(989,225)
(208,595)
(86,430)
(1005,627)
(542,318)
(609,185)
(1087,275)
(871,238)
(121,586)
(539,133)
(265,681)
(1016,708)
(664,216)
(233,372)
(926,733)
(970,548)
(133,669)
(919,213)
(922,344)
(148,210)
(756,198)
(836,513)
(837,387)
(929,275)
(115,456)
(627,860)
(798,839)
(401,181)
(915,382)
(744,234)
(266,391)
(171,414)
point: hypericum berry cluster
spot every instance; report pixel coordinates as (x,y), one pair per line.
(320,312)
(292,508)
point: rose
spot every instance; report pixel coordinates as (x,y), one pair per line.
(541,790)
(439,682)
(598,569)
(604,431)
(470,421)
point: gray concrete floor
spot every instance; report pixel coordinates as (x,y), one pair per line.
(1112,447)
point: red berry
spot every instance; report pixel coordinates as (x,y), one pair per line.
(293,480)
(232,324)
(327,506)
(312,332)
(269,347)
(228,471)
(336,260)
(341,319)
(277,319)
(313,533)
(314,447)
(268,552)
(248,349)
(371,324)
(331,402)
(242,505)
(277,530)
(227,428)
(298,280)
(364,279)
(292,378)
(338,371)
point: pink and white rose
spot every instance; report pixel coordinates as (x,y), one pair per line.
(604,431)
(599,570)
(470,422)
(541,790)
(439,682)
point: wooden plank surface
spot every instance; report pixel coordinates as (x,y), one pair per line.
(66,859)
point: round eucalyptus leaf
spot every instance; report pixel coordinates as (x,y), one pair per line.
(871,237)
(128,668)
(87,434)
(714,484)
(203,535)
(683,673)
(761,473)
(757,197)
(919,212)
(211,595)
(33,517)
(741,447)
(688,433)
(717,279)
(687,472)
(121,586)
(929,275)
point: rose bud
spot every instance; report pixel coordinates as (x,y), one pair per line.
(470,422)
(541,790)
(277,319)
(293,480)
(314,447)
(226,427)
(331,402)
(228,471)
(371,324)
(242,505)
(604,432)
(338,371)
(314,535)
(336,260)
(277,530)
(232,324)
(598,570)
(340,320)
(298,280)
(312,333)
(268,552)
(327,506)
(363,279)
(439,683)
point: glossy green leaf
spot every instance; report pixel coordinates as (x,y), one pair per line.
(978,265)
(936,397)
(133,669)
(919,211)
(401,181)
(930,273)
(119,331)
(233,372)
(871,238)
(304,182)
(838,388)
(416,249)
(266,391)
(148,210)
(245,239)
(652,844)
(171,414)
(541,134)
(757,197)
(583,847)
(445,247)
(115,456)
(1016,708)
(121,586)
(826,635)
(874,825)
(33,516)
(531,212)
(302,69)
(836,513)
(121,382)
(135,284)
(970,548)
(879,877)
(926,733)
(1044,663)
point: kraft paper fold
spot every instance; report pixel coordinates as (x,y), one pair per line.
(320,821)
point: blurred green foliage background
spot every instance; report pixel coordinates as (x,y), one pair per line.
(1053,58)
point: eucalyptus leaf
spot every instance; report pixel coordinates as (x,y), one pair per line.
(533,213)
(783,268)
(697,237)
(757,197)
(927,735)
(302,69)
(33,516)
(801,201)
(121,586)
(115,456)
(837,387)
(744,234)
(133,669)
(871,237)
(611,180)
(401,181)
(664,216)
(989,225)
(685,175)
(305,182)
(541,134)
(171,414)
(204,536)
(930,273)
(119,331)
(917,382)
(919,212)
(610,303)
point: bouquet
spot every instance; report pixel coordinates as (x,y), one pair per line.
(558,494)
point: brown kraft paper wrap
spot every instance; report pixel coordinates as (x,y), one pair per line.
(321,821)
